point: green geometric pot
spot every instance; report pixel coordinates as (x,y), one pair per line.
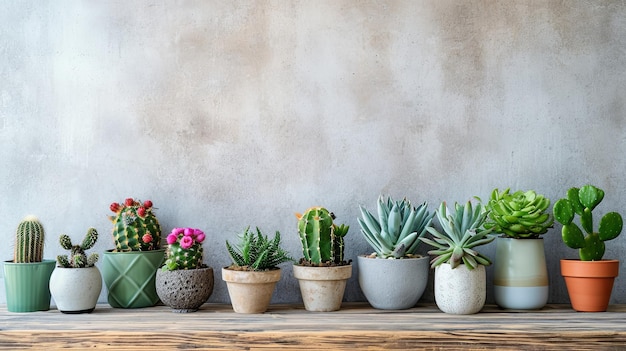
(27,285)
(129,277)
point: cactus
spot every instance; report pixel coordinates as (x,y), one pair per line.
(184,249)
(257,252)
(462,232)
(396,232)
(322,240)
(582,202)
(135,227)
(518,215)
(78,258)
(29,240)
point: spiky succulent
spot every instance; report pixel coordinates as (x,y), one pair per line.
(462,232)
(396,232)
(78,258)
(582,202)
(521,214)
(257,252)
(322,240)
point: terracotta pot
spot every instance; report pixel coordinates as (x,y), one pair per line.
(250,292)
(589,283)
(322,288)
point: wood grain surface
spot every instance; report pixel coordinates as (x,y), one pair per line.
(290,327)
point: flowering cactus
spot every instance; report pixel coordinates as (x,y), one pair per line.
(185,249)
(135,227)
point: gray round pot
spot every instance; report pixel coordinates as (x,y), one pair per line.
(393,284)
(184,290)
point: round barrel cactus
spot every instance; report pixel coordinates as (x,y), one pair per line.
(135,227)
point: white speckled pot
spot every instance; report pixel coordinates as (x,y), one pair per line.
(460,290)
(76,290)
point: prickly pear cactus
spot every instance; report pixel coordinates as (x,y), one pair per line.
(29,240)
(581,202)
(322,240)
(78,258)
(135,227)
(184,249)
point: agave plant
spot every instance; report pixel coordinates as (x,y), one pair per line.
(519,215)
(396,232)
(257,252)
(462,232)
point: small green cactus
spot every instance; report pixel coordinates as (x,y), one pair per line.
(322,240)
(582,202)
(135,227)
(518,215)
(78,258)
(29,240)
(184,249)
(257,252)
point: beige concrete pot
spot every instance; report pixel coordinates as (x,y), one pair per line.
(249,291)
(322,288)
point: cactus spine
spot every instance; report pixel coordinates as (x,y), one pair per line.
(29,240)
(581,202)
(135,227)
(78,258)
(322,240)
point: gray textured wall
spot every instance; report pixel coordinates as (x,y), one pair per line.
(235,113)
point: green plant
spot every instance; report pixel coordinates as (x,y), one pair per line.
(184,249)
(257,252)
(582,202)
(521,214)
(135,227)
(29,240)
(462,232)
(396,232)
(78,258)
(322,240)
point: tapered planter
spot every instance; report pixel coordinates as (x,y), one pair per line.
(393,284)
(27,285)
(130,277)
(249,291)
(184,290)
(589,283)
(322,288)
(521,276)
(460,290)
(76,290)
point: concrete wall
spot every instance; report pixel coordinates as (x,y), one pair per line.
(234,113)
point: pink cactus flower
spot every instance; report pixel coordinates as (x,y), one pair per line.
(188,231)
(186,242)
(200,237)
(147,238)
(172,238)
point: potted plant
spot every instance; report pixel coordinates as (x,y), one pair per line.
(184,283)
(76,283)
(589,280)
(394,276)
(322,272)
(521,275)
(129,270)
(460,278)
(252,276)
(27,277)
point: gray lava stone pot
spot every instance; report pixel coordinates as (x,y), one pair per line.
(184,290)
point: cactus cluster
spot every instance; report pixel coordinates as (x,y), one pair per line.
(462,231)
(257,252)
(184,249)
(135,227)
(582,202)
(29,240)
(78,258)
(396,232)
(322,239)
(521,214)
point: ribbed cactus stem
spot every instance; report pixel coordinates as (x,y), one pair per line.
(322,240)
(29,240)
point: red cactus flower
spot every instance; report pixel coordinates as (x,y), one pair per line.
(129,202)
(141,211)
(115,207)
(147,204)
(147,238)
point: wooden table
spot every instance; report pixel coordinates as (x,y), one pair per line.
(290,327)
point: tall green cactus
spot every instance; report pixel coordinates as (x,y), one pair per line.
(135,227)
(581,202)
(78,258)
(29,240)
(322,240)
